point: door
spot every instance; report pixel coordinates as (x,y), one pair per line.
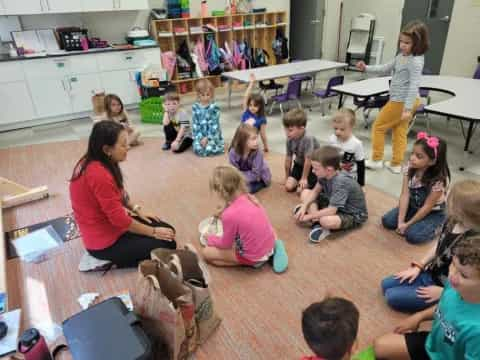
(24,7)
(97,5)
(436,14)
(50,97)
(306,27)
(81,88)
(58,6)
(131,4)
(122,83)
(16,103)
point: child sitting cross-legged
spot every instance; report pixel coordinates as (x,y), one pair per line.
(115,111)
(337,201)
(455,331)
(245,155)
(330,329)
(176,125)
(421,285)
(248,236)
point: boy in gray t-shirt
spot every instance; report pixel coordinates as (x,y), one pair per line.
(300,147)
(337,201)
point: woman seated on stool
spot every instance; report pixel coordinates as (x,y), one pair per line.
(112,227)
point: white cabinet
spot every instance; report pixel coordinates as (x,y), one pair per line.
(131,4)
(20,7)
(98,5)
(81,88)
(121,83)
(16,103)
(63,6)
(50,97)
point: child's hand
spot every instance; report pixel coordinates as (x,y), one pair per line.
(300,213)
(410,324)
(360,65)
(408,275)
(204,142)
(175,145)
(266,149)
(401,228)
(430,293)
(252,77)
(303,184)
(406,115)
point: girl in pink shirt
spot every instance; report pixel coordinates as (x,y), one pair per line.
(248,237)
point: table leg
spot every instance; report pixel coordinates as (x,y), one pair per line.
(229,93)
(314,81)
(340,101)
(467,145)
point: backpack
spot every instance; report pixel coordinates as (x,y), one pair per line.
(213,57)
(261,57)
(280,45)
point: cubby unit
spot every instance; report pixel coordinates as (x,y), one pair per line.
(257,29)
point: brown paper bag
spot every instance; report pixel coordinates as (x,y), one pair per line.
(189,267)
(167,311)
(98,102)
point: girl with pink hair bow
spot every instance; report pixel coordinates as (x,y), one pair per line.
(421,208)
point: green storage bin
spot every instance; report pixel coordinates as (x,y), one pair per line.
(218,13)
(151,110)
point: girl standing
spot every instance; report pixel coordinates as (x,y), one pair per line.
(421,285)
(254,112)
(114,110)
(207,134)
(406,69)
(248,237)
(421,208)
(246,157)
(113,228)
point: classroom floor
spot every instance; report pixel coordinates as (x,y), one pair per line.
(318,125)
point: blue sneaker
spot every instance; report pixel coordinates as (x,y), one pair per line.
(280,257)
(318,234)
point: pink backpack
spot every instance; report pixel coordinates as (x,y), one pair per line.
(199,51)
(169,60)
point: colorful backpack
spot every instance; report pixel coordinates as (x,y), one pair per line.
(213,56)
(199,51)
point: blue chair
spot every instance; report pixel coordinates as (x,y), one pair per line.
(294,88)
(325,94)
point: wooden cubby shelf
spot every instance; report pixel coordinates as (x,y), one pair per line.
(258,29)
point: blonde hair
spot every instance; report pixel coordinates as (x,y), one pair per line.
(242,134)
(295,117)
(203,86)
(344,115)
(467,250)
(227,182)
(463,203)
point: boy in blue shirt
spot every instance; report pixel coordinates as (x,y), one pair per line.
(455,332)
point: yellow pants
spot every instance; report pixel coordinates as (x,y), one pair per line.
(390,118)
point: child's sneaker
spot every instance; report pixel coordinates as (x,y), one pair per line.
(394,169)
(318,234)
(296,209)
(374,164)
(280,257)
(166,146)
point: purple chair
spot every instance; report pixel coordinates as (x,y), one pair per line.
(308,78)
(368,104)
(420,111)
(324,94)
(476,75)
(293,93)
(424,93)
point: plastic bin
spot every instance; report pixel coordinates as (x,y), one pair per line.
(151,110)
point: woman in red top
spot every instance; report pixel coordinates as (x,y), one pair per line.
(112,227)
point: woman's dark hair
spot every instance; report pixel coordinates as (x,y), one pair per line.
(439,171)
(103,133)
(259,102)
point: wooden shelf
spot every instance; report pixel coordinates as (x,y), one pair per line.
(258,29)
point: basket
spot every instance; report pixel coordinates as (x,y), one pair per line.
(151,110)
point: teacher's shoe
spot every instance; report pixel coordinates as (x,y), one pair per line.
(374,164)
(394,169)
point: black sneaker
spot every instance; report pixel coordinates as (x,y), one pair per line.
(318,234)
(166,146)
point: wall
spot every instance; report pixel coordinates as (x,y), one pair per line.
(114,28)
(463,45)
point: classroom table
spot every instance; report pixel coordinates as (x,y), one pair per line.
(303,67)
(462,105)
